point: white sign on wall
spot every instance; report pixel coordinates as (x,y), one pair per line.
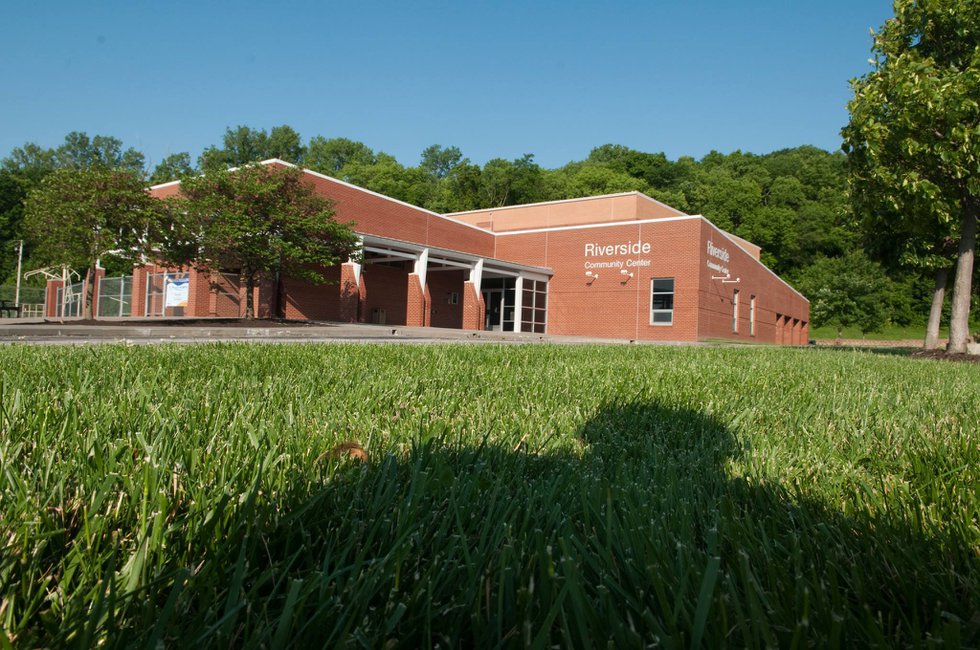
(637,250)
(176,292)
(721,255)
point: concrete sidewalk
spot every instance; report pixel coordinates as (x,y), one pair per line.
(38,331)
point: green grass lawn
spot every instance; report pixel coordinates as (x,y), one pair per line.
(610,496)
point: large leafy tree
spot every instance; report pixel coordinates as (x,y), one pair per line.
(913,139)
(256,220)
(329,156)
(243,145)
(78,216)
(172,168)
(81,152)
(847,291)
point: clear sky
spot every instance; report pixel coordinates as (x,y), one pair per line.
(496,79)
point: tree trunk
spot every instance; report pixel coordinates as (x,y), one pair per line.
(936,311)
(959,321)
(840,335)
(280,305)
(89,313)
(249,293)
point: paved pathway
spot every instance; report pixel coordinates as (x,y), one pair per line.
(200,331)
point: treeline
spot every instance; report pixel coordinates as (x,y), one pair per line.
(793,203)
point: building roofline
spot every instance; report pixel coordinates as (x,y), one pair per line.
(640,222)
(604,224)
(305,170)
(576,199)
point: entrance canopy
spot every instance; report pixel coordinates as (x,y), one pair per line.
(448,288)
(428,259)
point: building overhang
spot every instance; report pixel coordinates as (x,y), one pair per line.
(393,249)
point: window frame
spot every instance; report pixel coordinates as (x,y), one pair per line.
(735,311)
(653,293)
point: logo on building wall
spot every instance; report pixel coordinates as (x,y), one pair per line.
(720,254)
(635,251)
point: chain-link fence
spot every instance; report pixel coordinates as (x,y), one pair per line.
(68,304)
(115,296)
(31,301)
(167,294)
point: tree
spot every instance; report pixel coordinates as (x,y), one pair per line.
(439,161)
(330,156)
(912,137)
(846,291)
(258,219)
(78,216)
(172,167)
(505,182)
(80,152)
(243,145)
(284,143)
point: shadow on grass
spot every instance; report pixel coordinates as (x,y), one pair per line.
(637,537)
(890,351)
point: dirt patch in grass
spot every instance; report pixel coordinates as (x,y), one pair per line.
(942,355)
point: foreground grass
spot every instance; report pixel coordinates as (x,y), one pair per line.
(514,496)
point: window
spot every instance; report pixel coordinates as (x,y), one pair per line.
(534,306)
(751,315)
(735,311)
(662,301)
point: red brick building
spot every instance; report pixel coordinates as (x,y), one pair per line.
(617,266)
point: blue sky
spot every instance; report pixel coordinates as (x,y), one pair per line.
(496,79)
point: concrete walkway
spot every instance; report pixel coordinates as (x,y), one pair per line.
(37,331)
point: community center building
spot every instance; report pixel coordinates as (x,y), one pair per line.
(621,266)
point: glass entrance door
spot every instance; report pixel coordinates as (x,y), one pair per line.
(494,301)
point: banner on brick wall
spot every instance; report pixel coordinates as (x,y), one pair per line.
(176,292)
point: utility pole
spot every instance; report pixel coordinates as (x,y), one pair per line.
(20,257)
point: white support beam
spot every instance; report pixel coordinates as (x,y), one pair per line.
(388,251)
(421,266)
(358,254)
(476,275)
(518,303)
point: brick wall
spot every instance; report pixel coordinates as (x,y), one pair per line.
(442,285)
(774,300)
(385,288)
(304,300)
(614,305)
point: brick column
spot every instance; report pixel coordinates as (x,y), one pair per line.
(137,303)
(797,329)
(416,305)
(350,292)
(805,330)
(473,307)
(51,298)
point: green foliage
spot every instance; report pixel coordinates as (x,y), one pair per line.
(846,291)
(172,168)
(439,161)
(912,144)
(330,156)
(27,166)
(185,496)
(77,216)
(259,219)
(106,152)
(583,179)
(243,145)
